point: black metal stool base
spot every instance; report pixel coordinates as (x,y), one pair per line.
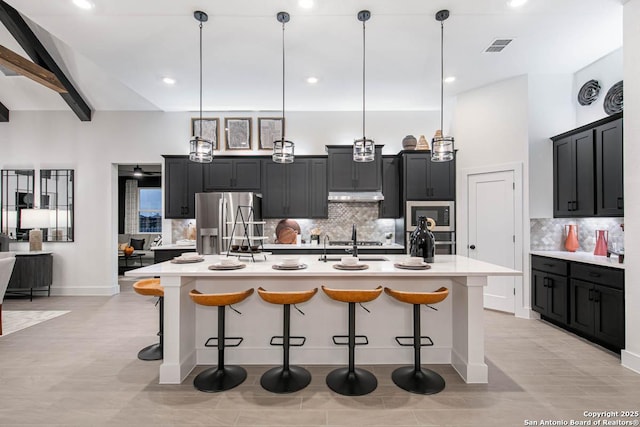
(277,380)
(213,380)
(424,381)
(152,352)
(356,383)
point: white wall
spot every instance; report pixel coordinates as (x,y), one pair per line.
(606,70)
(551,112)
(631,354)
(38,140)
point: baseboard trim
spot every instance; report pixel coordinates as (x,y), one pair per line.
(97,291)
(630,360)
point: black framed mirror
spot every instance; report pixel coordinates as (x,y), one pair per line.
(56,194)
(17,193)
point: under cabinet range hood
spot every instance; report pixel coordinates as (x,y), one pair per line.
(355,196)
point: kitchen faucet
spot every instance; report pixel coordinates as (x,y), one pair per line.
(354,237)
(324,247)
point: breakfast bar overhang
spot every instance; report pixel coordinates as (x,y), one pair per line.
(456,325)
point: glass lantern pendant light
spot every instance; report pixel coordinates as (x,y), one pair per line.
(282,149)
(200,149)
(363,149)
(441,146)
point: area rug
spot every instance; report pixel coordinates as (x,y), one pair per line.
(14,321)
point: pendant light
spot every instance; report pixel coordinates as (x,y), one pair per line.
(283,149)
(363,149)
(201,149)
(441,146)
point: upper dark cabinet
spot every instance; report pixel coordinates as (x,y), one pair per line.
(588,170)
(294,190)
(183,179)
(347,175)
(390,206)
(427,180)
(237,174)
(609,170)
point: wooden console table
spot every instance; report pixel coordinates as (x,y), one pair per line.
(33,271)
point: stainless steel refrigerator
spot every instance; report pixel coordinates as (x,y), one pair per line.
(216,214)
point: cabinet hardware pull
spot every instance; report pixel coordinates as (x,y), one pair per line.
(575,205)
(590,294)
(594,274)
(544,282)
(620,203)
(569,206)
(596,296)
(550,285)
(548,264)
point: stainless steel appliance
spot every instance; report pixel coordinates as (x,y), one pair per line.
(215,216)
(443,213)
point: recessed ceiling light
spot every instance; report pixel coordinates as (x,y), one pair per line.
(450,79)
(83,4)
(312,80)
(168,81)
(306,4)
(516,3)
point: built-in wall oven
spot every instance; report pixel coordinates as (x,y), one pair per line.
(443,213)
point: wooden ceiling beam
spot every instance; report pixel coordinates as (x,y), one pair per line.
(29,69)
(27,39)
(4,113)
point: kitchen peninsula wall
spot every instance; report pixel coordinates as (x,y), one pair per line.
(547,234)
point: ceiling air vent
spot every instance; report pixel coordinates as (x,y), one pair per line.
(498,45)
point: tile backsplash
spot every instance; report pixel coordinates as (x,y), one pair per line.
(547,234)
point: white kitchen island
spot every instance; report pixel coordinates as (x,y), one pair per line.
(456,327)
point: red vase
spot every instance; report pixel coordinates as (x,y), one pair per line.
(602,240)
(571,243)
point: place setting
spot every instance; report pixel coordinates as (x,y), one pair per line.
(228,264)
(350,263)
(188,258)
(292,263)
(412,263)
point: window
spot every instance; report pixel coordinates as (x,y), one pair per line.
(150,210)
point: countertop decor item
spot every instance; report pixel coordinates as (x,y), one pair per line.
(364,149)
(201,149)
(422,242)
(35,219)
(283,150)
(602,239)
(422,143)
(287,231)
(571,242)
(613,100)
(409,142)
(442,146)
(589,92)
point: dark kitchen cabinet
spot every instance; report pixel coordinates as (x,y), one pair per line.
(318,190)
(549,291)
(183,179)
(588,170)
(390,206)
(597,304)
(609,170)
(347,175)
(285,189)
(232,174)
(427,180)
(573,169)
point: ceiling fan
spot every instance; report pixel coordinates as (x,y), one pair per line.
(138,172)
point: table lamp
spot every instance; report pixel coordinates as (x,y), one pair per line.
(35,219)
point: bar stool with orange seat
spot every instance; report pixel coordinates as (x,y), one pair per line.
(286,378)
(151,287)
(222,377)
(352,381)
(417,379)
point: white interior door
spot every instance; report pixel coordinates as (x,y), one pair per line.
(491,228)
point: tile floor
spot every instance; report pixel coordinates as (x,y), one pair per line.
(81,369)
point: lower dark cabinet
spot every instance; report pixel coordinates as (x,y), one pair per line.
(549,295)
(31,273)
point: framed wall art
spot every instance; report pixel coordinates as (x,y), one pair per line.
(238,133)
(269,130)
(209,129)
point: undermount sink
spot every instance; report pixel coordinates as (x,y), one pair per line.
(361,258)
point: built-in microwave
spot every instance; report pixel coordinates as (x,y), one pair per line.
(443,213)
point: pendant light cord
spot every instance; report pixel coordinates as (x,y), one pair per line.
(441,76)
(200,128)
(364,50)
(283,71)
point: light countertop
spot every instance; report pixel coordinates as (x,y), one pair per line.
(272,246)
(585,257)
(445,265)
(173,246)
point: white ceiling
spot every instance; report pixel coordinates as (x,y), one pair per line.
(118,52)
